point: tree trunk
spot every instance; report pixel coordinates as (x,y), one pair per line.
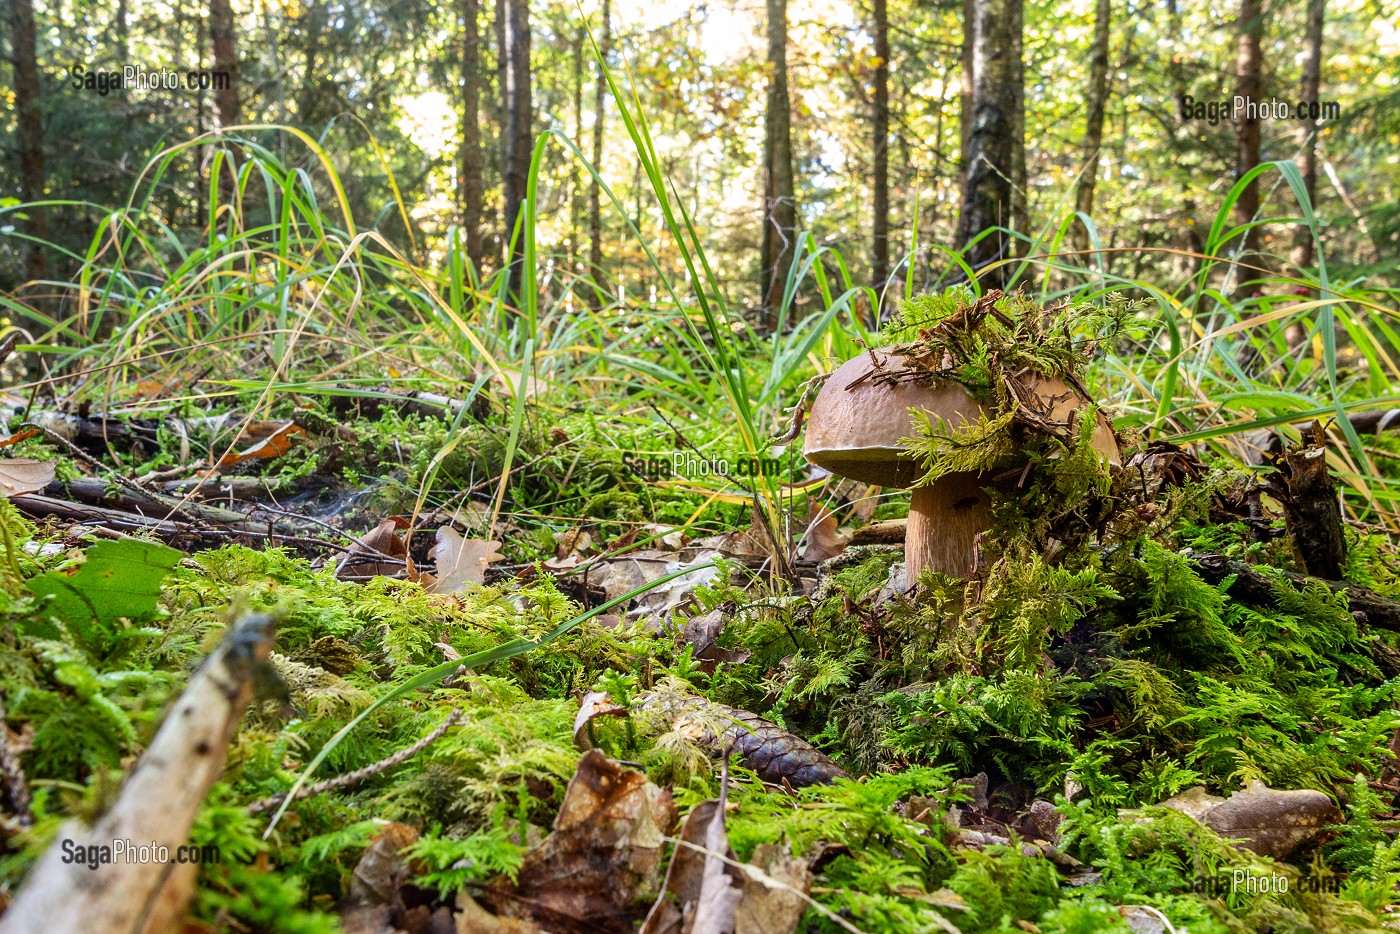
(992,104)
(600,114)
(471,187)
(575,183)
(29,128)
(1307,132)
(1093,127)
(1248,86)
(779,199)
(1020,208)
(519,114)
(880,174)
(227,109)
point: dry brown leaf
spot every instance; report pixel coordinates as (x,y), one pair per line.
(367,556)
(1273,823)
(571,543)
(823,540)
(269,439)
(460,561)
(775,901)
(562,564)
(19,436)
(703,632)
(700,889)
(594,704)
(604,854)
(473,919)
(24,475)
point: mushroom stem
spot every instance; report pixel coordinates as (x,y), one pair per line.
(944,520)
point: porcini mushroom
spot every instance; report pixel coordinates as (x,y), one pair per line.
(855,427)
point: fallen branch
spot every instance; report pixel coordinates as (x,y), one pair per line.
(1257,589)
(156,808)
(264,805)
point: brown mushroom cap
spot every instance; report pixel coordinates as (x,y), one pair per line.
(856,432)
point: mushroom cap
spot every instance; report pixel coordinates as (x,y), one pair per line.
(856,432)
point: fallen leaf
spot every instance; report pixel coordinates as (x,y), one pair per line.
(603,855)
(460,561)
(473,919)
(24,475)
(594,704)
(1270,822)
(19,436)
(775,898)
(367,556)
(272,443)
(703,632)
(823,540)
(116,580)
(1195,802)
(571,543)
(562,564)
(702,890)
(623,575)
(381,869)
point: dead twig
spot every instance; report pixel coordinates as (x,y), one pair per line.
(264,805)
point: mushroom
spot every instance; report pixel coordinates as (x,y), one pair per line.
(854,430)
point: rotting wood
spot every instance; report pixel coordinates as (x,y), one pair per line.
(156,807)
(1312,508)
(1257,589)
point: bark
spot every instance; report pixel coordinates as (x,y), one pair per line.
(880,226)
(575,184)
(471,186)
(29,129)
(600,115)
(1248,84)
(518,131)
(779,197)
(1307,132)
(992,104)
(157,805)
(1256,588)
(227,109)
(1093,127)
(1312,510)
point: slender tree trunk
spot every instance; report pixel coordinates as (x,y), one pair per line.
(1307,132)
(575,183)
(993,160)
(227,108)
(123,34)
(880,181)
(29,128)
(1020,208)
(600,116)
(779,198)
(471,186)
(310,22)
(1093,126)
(518,135)
(1248,67)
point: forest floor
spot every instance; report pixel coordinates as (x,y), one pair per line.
(502,673)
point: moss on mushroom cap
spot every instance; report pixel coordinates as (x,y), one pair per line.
(863,411)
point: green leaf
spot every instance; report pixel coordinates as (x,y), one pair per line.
(116,580)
